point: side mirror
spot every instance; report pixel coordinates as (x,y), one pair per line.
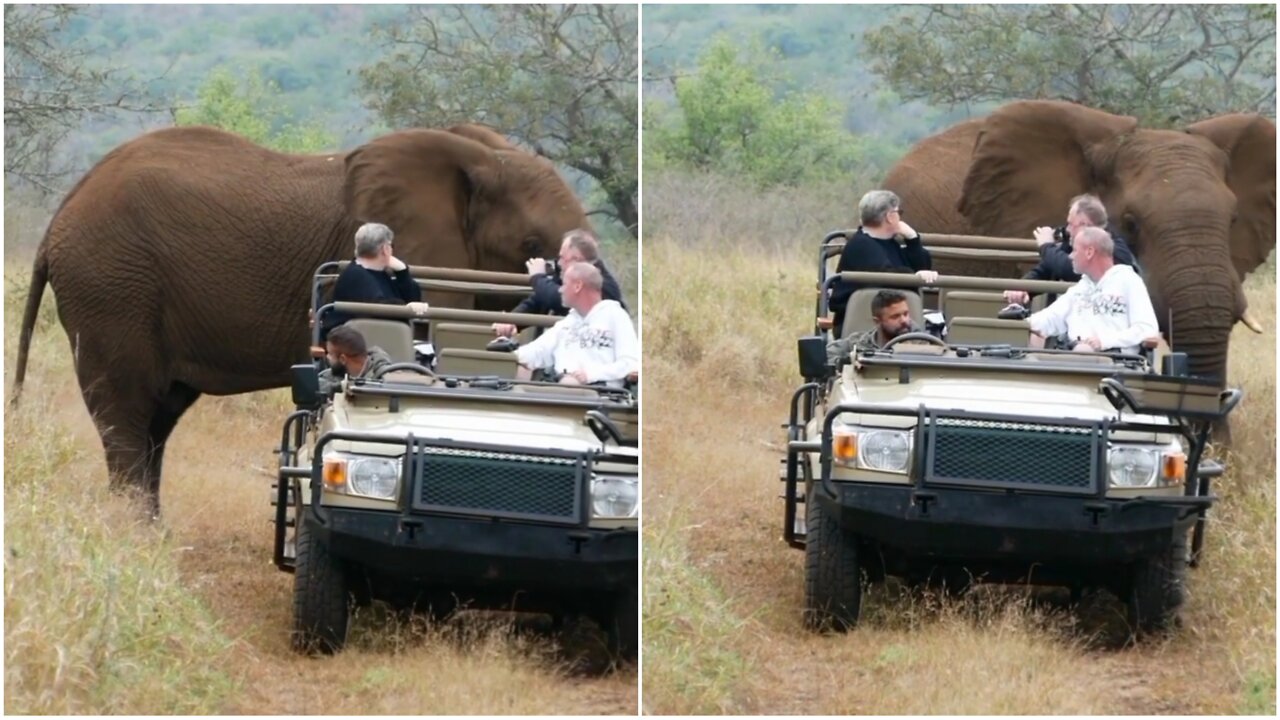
(306,386)
(813,358)
(1175,364)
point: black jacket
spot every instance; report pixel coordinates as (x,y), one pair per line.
(863,253)
(1055,260)
(359,284)
(546,293)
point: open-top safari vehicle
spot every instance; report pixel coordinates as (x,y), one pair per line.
(979,458)
(456,486)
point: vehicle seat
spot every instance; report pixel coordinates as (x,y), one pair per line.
(469,336)
(857,314)
(971,303)
(461,361)
(988,331)
(395,337)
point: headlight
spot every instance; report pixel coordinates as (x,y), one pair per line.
(615,497)
(375,477)
(1136,466)
(873,449)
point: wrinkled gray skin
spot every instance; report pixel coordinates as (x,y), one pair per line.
(1197,206)
(182,261)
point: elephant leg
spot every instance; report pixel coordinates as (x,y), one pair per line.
(168,410)
(123,429)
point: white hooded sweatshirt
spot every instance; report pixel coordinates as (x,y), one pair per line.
(603,343)
(1116,309)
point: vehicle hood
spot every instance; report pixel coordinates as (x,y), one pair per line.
(510,426)
(1077,398)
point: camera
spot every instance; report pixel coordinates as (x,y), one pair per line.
(553,268)
(1061,235)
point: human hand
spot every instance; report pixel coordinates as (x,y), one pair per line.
(1089,344)
(905,230)
(504,329)
(419,308)
(1044,236)
(577,377)
(536,266)
(1016,296)
(928,276)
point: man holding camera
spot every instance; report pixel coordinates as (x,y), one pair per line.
(1107,309)
(1054,245)
(578,246)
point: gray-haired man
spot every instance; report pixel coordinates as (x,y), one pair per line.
(376,276)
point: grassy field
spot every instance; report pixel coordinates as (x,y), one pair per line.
(723,593)
(106,615)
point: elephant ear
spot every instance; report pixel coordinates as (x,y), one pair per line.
(482,134)
(1250,144)
(1029,160)
(427,186)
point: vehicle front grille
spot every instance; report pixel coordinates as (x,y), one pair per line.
(498,484)
(991,453)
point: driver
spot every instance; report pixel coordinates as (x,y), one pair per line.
(594,343)
(349,356)
(892,316)
(1109,309)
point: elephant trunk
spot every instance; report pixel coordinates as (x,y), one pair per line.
(1201,312)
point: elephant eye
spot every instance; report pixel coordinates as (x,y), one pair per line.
(531,245)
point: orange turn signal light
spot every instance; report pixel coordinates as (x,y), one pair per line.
(845,447)
(1174,466)
(335,473)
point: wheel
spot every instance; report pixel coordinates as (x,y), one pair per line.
(321,604)
(1157,588)
(832,574)
(623,626)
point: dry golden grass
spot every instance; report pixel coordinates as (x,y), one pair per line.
(722,629)
(103,615)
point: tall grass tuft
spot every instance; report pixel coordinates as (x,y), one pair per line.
(97,619)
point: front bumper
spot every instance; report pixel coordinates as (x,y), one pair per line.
(481,553)
(1001,527)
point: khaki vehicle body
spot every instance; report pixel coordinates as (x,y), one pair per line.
(948,463)
(435,491)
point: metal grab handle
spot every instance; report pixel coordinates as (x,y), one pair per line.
(1229,399)
(602,425)
(1117,394)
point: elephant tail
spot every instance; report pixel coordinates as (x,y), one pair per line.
(39,276)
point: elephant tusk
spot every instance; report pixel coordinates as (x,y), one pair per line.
(1250,322)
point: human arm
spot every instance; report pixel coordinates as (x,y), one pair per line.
(546,295)
(1055,262)
(541,352)
(626,351)
(405,287)
(1142,319)
(611,289)
(918,258)
(1053,319)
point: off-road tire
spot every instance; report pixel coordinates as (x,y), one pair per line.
(321,603)
(623,626)
(832,574)
(1158,588)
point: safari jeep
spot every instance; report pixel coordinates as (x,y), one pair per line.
(964,455)
(437,490)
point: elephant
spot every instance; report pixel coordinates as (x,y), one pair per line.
(1197,205)
(182,261)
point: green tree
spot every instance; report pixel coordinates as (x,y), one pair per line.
(729,119)
(1166,64)
(52,85)
(560,79)
(248,106)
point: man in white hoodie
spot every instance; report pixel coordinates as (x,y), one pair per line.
(1109,309)
(594,343)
